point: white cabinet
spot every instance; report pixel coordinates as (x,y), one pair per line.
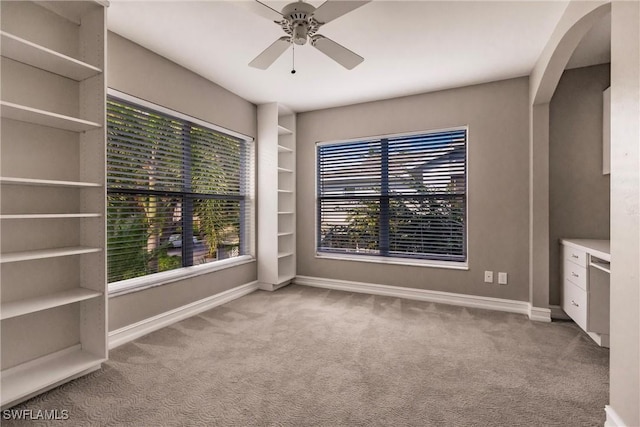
(53,275)
(276,196)
(585,286)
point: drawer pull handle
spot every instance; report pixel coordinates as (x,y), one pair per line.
(574,256)
(574,274)
(575,303)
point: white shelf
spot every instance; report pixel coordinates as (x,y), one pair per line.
(283,130)
(285,234)
(285,213)
(28,378)
(283,149)
(50,216)
(600,265)
(46,182)
(45,118)
(24,51)
(45,253)
(285,191)
(44,302)
(284,254)
(283,170)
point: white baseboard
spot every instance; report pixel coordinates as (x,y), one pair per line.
(613,419)
(146,326)
(558,313)
(271,287)
(498,304)
(539,314)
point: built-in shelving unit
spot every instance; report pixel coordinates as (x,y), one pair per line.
(52,210)
(276,196)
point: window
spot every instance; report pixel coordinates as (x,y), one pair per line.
(177,191)
(401,196)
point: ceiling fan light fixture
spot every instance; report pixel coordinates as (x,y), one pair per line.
(300,32)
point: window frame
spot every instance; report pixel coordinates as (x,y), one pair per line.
(393,260)
(139,283)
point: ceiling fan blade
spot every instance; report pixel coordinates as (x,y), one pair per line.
(330,10)
(261,9)
(270,54)
(337,52)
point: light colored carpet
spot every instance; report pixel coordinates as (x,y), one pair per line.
(303,356)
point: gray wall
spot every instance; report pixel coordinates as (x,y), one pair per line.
(578,191)
(497,116)
(140,72)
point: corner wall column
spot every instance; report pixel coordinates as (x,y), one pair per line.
(539,206)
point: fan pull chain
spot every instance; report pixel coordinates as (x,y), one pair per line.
(293,64)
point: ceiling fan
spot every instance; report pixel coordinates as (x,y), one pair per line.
(301,22)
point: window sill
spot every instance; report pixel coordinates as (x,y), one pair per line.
(451,265)
(137,284)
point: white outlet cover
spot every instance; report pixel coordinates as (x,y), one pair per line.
(502,278)
(488,276)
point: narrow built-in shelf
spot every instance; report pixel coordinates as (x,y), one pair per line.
(283,149)
(285,234)
(601,265)
(44,302)
(285,191)
(284,170)
(46,182)
(50,216)
(45,118)
(29,53)
(285,213)
(27,378)
(283,130)
(284,254)
(45,253)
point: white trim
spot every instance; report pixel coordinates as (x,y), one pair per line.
(558,313)
(157,279)
(165,110)
(613,419)
(474,301)
(146,326)
(394,135)
(539,314)
(452,265)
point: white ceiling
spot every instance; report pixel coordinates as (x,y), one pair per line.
(409,46)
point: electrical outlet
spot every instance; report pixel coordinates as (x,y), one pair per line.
(502,278)
(488,276)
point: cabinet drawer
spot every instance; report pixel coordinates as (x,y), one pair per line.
(574,303)
(575,274)
(574,255)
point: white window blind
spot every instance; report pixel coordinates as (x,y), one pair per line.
(402,196)
(177,192)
